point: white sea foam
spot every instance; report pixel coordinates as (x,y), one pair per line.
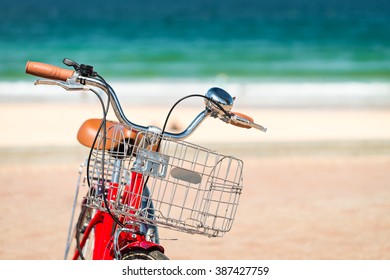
(263,94)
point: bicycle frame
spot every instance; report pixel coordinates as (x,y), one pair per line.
(110,240)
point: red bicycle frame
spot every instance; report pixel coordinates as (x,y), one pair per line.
(104,226)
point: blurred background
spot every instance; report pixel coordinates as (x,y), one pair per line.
(315,72)
(325,52)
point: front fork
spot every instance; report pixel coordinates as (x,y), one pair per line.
(127,240)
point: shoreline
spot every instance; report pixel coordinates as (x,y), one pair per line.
(303,94)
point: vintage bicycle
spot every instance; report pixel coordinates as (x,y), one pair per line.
(140,178)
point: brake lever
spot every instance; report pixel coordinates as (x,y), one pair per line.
(259,127)
(68,85)
(245,122)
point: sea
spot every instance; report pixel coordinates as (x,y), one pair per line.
(273,44)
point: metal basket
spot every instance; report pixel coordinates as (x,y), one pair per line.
(189,188)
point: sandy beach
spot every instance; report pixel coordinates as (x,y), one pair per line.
(316,185)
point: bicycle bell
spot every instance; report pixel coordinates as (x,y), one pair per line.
(219,96)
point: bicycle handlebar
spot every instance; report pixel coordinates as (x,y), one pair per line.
(74,80)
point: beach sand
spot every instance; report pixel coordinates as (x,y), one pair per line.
(316,185)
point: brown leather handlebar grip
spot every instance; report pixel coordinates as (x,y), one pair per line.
(48,71)
(241,116)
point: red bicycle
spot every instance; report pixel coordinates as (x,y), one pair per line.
(140,178)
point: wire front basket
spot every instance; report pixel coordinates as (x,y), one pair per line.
(143,177)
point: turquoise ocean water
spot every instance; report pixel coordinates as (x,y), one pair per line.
(237,39)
